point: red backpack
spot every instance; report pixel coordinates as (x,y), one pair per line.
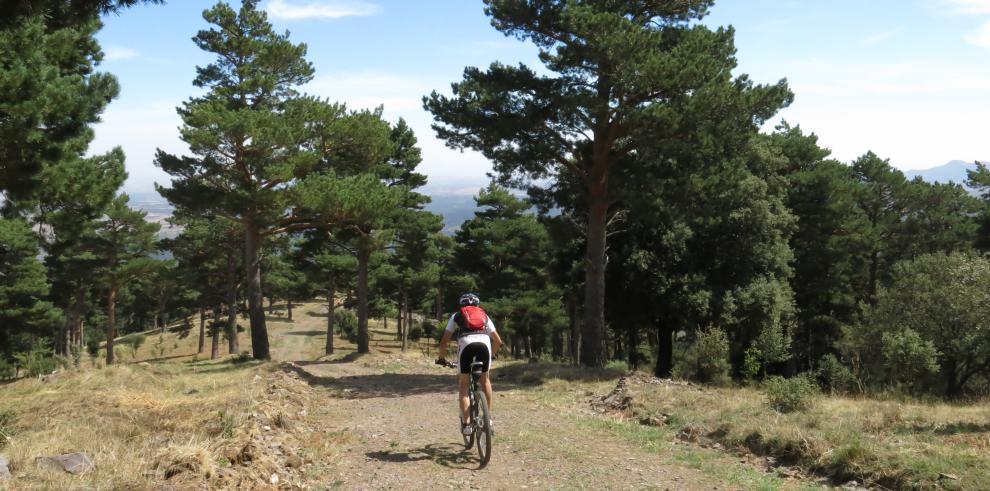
(473,318)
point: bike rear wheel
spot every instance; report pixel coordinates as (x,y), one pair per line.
(483,429)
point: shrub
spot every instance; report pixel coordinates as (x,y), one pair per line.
(134,342)
(787,395)
(707,359)
(7,420)
(833,376)
(346,323)
(38,361)
(426,329)
(6,369)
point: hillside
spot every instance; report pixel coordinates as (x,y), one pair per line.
(387,420)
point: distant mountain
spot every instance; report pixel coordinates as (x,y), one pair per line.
(954,171)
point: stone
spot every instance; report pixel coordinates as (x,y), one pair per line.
(190,392)
(293,462)
(4,468)
(73,463)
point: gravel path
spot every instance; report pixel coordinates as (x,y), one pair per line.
(404,435)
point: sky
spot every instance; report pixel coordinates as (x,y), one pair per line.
(907,79)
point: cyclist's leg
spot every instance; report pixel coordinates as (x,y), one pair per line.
(463,380)
(486,385)
(486,381)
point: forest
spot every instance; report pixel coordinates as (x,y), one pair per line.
(639,213)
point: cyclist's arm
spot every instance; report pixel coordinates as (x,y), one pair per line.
(447,333)
(496,342)
(443,345)
(493,334)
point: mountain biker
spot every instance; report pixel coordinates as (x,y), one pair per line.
(474,341)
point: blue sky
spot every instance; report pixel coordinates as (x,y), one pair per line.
(908,79)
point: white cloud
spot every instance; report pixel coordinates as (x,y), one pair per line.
(967,6)
(880,36)
(321,9)
(112,53)
(981,37)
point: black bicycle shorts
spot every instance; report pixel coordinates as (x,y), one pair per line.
(474,352)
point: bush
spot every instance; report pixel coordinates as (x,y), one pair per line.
(426,329)
(787,395)
(707,359)
(346,323)
(38,361)
(7,421)
(134,342)
(833,376)
(6,369)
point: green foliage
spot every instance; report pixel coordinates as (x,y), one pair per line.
(347,324)
(134,343)
(934,316)
(833,376)
(7,421)
(36,361)
(788,395)
(751,363)
(22,311)
(50,93)
(227,423)
(707,358)
(6,369)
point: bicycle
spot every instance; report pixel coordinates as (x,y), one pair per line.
(481,431)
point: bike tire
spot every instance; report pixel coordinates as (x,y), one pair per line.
(483,431)
(469,439)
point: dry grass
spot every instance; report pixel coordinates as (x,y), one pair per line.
(893,444)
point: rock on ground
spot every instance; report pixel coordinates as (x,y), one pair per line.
(73,463)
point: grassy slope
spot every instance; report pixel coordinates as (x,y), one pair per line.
(899,445)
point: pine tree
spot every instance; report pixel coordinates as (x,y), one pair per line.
(616,68)
(247,132)
(123,242)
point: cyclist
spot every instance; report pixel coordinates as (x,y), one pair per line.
(476,340)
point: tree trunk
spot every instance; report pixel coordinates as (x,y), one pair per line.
(400,320)
(233,343)
(364,256)
(593,329)
(405,331)
(632,346)
(256,309)
(575,341)
(111,320)
(288,308)
(665,349)
(331,308)
(202,331)
(215,333)
(271,306)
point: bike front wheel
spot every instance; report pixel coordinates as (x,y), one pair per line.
(483,430)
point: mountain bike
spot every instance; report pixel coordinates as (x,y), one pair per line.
(481,430)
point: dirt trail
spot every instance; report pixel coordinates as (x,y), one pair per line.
(392,418)
(403,429)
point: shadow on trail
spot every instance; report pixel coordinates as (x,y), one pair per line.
(306,333)
(447,455)
(380,385)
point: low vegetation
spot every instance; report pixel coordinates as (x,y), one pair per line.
(892,443)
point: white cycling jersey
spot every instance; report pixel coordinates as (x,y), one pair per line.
(465,339)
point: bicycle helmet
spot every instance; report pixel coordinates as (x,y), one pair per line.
(469,299)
